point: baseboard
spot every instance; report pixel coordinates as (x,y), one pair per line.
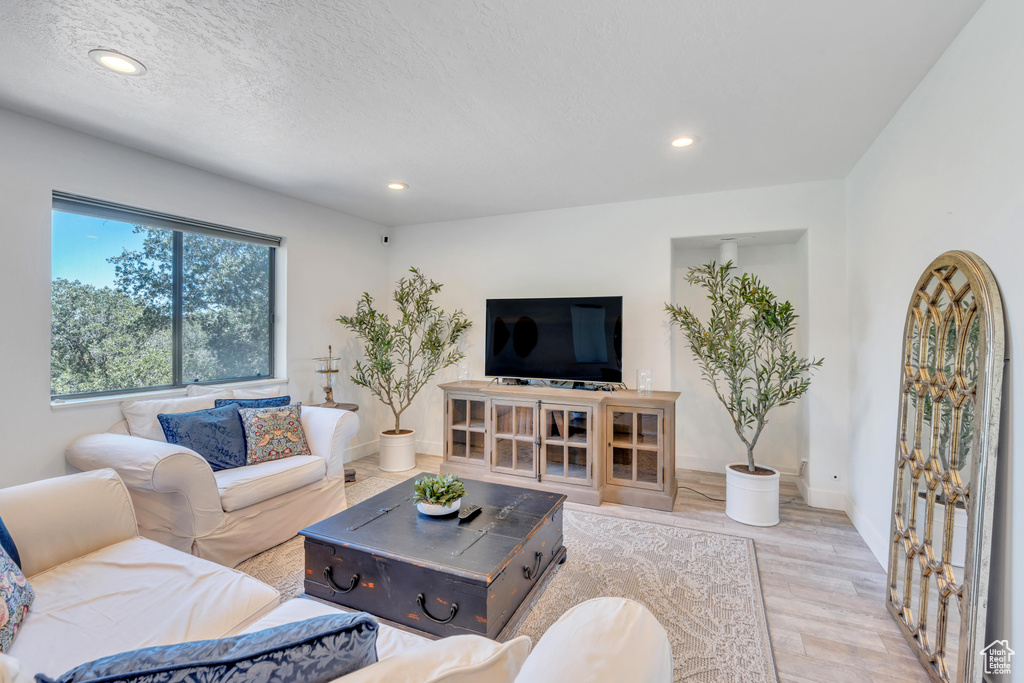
(818,498)
(362,450)
(429,447)
(692,462)
(876,542)
(825,498)
(371,447)
(801,485)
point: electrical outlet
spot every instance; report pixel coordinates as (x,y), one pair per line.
(803,467)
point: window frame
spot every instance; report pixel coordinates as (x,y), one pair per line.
(86,206)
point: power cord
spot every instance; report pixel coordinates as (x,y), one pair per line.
(717,500)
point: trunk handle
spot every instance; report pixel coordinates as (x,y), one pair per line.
(421,601)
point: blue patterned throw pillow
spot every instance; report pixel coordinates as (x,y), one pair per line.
(17,597)
(7,543)
(216,434)
(275,402)
(313,651)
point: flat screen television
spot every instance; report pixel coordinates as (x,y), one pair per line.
(578,338)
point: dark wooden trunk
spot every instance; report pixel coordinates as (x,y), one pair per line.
(415,570)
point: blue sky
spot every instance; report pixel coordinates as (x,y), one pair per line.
(82,245)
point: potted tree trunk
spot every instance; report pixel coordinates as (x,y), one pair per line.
(402,356)
(745,353)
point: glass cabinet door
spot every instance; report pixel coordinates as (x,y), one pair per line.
(466,438)
(636,448)
(565,444)
(514,441)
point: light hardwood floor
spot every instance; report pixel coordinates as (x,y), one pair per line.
(823,588)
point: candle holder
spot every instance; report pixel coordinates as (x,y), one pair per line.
(327,369)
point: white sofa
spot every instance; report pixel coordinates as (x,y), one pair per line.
(101,589)
(224,516)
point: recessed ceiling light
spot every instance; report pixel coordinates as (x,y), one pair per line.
(115,61)
(397,186)
(683,142)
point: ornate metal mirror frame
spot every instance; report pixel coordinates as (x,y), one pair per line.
(948,433)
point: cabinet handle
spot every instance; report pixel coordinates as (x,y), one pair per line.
(329,578)
(531,574)
(421,601)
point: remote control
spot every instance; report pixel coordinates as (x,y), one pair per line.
(467,513)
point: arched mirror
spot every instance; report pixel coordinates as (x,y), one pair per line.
(946,444)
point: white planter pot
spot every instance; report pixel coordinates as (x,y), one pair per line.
(398,451)
(438,510)
(752,498)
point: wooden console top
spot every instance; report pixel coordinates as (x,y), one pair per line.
(557,394)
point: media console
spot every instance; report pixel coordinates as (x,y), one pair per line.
(592,446)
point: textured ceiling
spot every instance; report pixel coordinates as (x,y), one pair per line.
(483,107)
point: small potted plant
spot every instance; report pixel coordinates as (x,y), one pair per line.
(402,356)
(746,355)
(440,495)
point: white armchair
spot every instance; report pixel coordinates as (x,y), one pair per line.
(233,514)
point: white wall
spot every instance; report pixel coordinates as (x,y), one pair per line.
(706,440)
(947,173)
(626,249)
(328,259)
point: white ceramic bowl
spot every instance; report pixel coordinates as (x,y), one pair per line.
(438,510)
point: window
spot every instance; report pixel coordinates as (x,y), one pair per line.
(143,300)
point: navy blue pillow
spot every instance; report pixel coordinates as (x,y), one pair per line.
(317,650)
(8,544)
(216,434)
(275,402)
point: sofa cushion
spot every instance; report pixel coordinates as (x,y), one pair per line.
(244,486)
(13,671)
(16,597)
(142,415)
(56,520)
(216,434)
(253,392)
(317,650)
(137,593)
(644,656)
(274,402)
(8,545)
(390,641)
(455,659)
(273,433)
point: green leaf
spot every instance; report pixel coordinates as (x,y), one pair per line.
(744,350)
(440,490)
(404,354)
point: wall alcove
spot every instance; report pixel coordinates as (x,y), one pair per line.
(705,439)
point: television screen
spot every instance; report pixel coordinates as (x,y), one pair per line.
(562,339)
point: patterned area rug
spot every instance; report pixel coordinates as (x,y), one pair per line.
(703,587)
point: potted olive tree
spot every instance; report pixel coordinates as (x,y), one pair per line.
(403,355)
(745,353)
